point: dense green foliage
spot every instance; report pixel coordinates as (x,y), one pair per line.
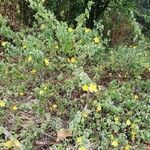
(64,85)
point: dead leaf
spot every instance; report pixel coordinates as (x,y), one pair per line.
(62,134)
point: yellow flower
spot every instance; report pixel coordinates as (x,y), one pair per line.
(30,58)
(136,97)
(12,143)
(85,114)
(4,44)
(79,140)
(21,93)
(116,119)
(46,61)
(111,52)
(82,148)
(87,30)
(70,29)
(85,88)
(127,147)
(42,27)
(54,106)
(33,71)
(134,47)
(99,108)
(2,103)
(24,46)
(14,108)
(128,122)
(41,92)
(72,60)
(114,143)
(133,134)
(45,87)
(93,88)
(97,40)
(56,46)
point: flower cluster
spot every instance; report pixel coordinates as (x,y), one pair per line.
(91,88)
(72,60)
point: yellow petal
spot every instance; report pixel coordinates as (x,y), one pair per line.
(93,88)
(54,106)
(82,148)
(24,46)
(127,147)
(114,143)
(97,40)
(9,144)
(79,140)
(29,58)
(136,97)
(85,114)
(21,93)
(73,60)
(99,108)
(70,29)
(14,108)
(46,61)
(41,92)
(4,44)
(12,143)
(87,30)
(56,46)
(33,71)
(45,87)
(134,47)
(116,119)
(128,122)
(85,88)
(2,103)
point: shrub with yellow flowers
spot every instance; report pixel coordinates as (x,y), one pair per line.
(54,75)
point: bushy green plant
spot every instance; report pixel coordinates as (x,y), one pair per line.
(52,76)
